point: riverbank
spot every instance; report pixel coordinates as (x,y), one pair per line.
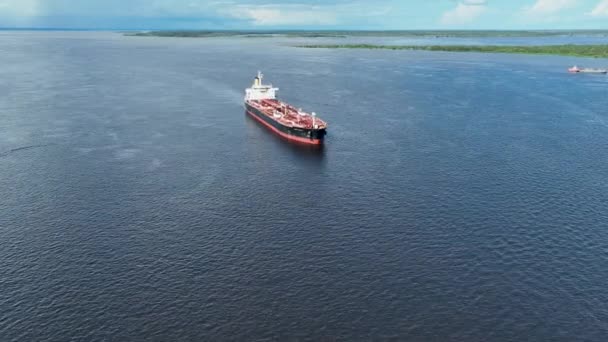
(345,34)
(597,51)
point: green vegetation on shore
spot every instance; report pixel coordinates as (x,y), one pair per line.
(344,34)
(598,51)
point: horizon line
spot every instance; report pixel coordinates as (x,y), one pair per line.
(291,30)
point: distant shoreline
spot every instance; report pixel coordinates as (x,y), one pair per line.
(246,34)
(345,34)
(596,51)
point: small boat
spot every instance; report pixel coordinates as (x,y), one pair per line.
(575,69)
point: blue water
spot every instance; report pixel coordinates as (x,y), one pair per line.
(387,40)
(460,197)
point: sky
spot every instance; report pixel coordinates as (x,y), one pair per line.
(305,14)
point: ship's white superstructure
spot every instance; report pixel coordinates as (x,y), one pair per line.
(260,91)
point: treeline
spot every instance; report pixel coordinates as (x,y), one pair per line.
(598,51)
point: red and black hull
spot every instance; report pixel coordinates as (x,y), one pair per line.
(300,135)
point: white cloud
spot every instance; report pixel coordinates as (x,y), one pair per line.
(475,2)
(601,10)
(19,8)
(464,13)
(256,12)
(549,7)
(271,15)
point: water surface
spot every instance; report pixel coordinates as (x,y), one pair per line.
(459,197)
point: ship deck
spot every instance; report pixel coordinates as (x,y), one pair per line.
(287,115)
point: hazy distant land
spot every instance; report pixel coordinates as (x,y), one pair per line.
(598,51)
(248,34)
(344,34)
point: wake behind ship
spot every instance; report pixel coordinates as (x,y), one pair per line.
(285,120)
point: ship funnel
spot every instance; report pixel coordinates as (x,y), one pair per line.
(258,80)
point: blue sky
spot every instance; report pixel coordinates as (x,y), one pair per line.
(305,14)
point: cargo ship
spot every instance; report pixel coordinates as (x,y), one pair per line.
(283,119)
